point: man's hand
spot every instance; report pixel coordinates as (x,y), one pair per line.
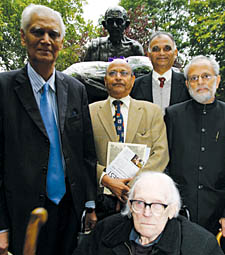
(90,221)
(222,223)
(118,187)
(4,243)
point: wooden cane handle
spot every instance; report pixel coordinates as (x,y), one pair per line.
(218,237)
(38,217)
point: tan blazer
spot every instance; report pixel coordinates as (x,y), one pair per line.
(145,126)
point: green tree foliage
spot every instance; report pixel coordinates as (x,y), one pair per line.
(140,22)
(13,55)
(198,26)
(207,33)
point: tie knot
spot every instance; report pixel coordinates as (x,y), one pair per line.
(45,87)
(117,103)
(162,80)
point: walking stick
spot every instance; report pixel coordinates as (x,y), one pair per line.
(38,217)
(218,237)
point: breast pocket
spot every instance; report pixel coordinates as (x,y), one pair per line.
(75,122)
(143,137)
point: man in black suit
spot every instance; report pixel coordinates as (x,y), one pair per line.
(163,85)
(27,145)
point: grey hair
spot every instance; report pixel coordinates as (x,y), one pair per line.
(160,33)
(173,197)
(212,61)
(40,10)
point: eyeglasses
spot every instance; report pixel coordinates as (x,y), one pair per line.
(205,77)
(115,73)
(139,206)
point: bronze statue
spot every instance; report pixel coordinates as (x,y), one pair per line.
(116,44)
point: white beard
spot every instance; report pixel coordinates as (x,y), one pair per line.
(202,97)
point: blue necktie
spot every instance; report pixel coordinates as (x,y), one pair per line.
(118,120)
(56,187)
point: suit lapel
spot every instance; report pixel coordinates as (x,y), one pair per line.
(146,87)
(150,88)
(176,89)
(62,94)
(25,94)
(134,117)
(105,117)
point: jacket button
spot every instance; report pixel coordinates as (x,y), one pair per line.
(42,197)
(200,168)
(200,186)
(202,148)
(44,169)
(203,130)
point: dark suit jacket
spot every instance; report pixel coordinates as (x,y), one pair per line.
(143,88)
(24,149)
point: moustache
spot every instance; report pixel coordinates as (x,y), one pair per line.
(202,87)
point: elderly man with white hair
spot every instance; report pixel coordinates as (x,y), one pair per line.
(150,224)
(196,137)
(47,153)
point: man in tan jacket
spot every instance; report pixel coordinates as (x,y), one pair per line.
(142,124)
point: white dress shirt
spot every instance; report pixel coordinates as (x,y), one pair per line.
(161,96)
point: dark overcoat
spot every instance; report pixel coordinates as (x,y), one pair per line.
(180,237)
(24,150)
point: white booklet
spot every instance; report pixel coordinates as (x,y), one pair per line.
(125,159)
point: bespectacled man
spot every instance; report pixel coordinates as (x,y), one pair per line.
(196,130)
(150,224)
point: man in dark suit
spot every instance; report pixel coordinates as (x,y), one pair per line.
(36,102)
(163,85)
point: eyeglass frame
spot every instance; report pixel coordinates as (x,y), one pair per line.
(147,204)
(203,77)
(122,73)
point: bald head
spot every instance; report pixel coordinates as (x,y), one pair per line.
(119,79)
(119,61)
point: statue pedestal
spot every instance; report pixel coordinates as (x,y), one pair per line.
(92,74)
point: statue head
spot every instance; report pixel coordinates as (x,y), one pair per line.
(116,21)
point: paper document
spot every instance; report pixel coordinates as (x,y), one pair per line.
(123,159)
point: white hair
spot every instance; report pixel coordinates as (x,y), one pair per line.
(212,61)
(40,10)
(173,197)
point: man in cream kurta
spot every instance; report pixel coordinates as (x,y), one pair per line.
(143,124)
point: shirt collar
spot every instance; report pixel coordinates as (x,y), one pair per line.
(134,236)
(37,81)
(167,75)
(125,100)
